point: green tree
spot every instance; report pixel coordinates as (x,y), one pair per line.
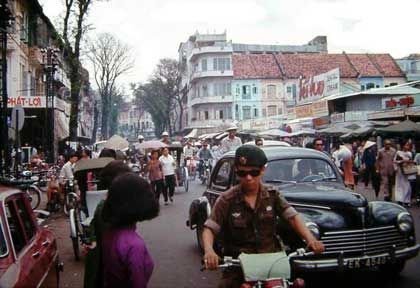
(160,95)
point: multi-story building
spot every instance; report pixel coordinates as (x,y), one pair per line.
(31,33)
(208,74)
(411,66)
(133,121)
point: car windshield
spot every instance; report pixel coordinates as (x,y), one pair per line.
(299,170)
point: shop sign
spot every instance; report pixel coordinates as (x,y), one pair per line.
(320,108)
(304,111)
(321,122)
(291,113)
(319,86)
(26,102)
(413,111)
(400,101)
(357,115)
(386,114)
(259,125)
(337,118)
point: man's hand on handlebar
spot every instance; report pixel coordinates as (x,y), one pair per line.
(211,260)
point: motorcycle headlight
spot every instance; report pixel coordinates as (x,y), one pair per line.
(313,227)
(405,222)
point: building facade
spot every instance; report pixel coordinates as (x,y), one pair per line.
(134,121)
(208,75)
(411,66)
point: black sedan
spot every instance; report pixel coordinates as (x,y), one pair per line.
(357,234)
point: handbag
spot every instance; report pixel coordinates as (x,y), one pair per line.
(409,168)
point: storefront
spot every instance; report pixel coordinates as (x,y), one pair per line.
(35,127)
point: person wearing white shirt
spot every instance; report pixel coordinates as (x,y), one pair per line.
(66,171)
(231,142)
(168,168)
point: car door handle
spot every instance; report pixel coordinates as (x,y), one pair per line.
(36,254)
(45,243)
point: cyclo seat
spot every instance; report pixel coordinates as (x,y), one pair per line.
(92,200)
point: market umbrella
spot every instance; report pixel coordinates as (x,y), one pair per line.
(307,131)
(152,144)
(405,127)
(352,126)
(334,131)
(275,132)
(90,164)
(361,132)
(116,142)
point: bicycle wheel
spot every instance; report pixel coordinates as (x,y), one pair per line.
(34,196)
(186,179)
(74,233)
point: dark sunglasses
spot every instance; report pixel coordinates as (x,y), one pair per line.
(253,173)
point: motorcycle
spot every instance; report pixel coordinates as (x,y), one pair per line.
(205,170)
(266,270)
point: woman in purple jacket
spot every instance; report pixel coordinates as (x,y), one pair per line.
(127,263)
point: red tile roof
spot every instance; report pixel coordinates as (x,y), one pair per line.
(295,65)
(254,66)
(363,64)
(387,65)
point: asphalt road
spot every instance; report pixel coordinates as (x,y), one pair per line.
(177,260)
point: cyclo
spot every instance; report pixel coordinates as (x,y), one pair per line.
(181,171)
(86,183)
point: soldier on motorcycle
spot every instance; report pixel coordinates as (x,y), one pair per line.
(245,215)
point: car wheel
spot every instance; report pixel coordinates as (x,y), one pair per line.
(393,269)
(199,234)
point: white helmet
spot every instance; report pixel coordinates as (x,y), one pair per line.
(232,127)
(165,134)
(140,137)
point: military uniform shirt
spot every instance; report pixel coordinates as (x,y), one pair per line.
(245,229)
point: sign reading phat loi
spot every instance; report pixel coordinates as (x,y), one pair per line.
(26,102)
(319,86)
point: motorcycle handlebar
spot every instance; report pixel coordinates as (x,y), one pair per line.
(228,262)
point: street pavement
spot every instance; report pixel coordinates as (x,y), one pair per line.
(177,260)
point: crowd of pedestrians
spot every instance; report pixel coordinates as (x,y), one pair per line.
(392,170)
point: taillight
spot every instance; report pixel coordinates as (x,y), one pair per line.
(298,283)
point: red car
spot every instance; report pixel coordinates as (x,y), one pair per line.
(28,252)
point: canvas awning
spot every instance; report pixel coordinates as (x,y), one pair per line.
(388,91)
(61,125)
(192,134)
(406,127)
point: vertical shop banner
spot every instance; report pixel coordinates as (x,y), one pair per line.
(317,87)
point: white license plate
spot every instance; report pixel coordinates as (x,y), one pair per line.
(366,262)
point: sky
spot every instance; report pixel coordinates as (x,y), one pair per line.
(155,28)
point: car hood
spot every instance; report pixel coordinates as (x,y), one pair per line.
(333,195)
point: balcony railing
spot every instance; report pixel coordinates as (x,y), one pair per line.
(211,73)
(35,56)
(210,100)
(210,49)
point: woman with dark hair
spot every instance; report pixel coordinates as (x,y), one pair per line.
(128,262)
(108,153)
(402,184)
(93,276)
(154,167)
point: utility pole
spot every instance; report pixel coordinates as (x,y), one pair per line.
(50,60)
(5,21)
